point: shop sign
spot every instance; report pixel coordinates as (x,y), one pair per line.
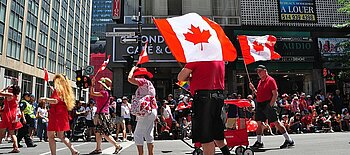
(297,11)
(331,47)
(157,49)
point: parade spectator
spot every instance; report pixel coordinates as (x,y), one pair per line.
(329,102)
(335,121)
(125,113)
(251,109)
(232,113)
(90,114)
(10,115)
(172,103)
(284,106)
(302,104)
(285,122)
(27,121)
(61,101)
(338,102)
(266,96)
(166,116)
(208,100)
(295,123)
(42,117)
(35,106)
(318,103)
(295,106)
(119,121)
(145,94)
(307,122)
(102,116)
(345,117)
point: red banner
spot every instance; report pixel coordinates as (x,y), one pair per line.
(116,9)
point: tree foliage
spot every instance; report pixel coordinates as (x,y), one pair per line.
(345,59)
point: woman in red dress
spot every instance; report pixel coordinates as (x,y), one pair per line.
(10,115)
(61,101)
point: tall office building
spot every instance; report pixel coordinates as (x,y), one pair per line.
(101,16)
(38,34)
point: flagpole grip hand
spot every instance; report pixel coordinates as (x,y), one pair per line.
(251,86)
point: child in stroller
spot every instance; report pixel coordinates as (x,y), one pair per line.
(80,130)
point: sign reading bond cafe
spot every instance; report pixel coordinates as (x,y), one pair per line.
(157,49)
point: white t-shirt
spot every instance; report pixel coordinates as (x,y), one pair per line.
(90,113)
(166,112)
(42,112)
(125,110)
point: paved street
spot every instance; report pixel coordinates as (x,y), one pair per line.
(306,144)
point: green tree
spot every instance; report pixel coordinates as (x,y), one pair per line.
(345,73)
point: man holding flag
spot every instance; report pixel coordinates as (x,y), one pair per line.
(261,48)
(203,45)
(266,96)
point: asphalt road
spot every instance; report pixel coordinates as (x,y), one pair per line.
(306,144)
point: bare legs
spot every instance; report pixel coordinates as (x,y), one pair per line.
(60,135)
(150,147)
(109,138)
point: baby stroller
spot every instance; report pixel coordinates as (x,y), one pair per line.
(233,138)
(80,130)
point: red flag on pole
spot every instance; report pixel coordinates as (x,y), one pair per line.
(143,56)
(46,76)
(258,48)
(104,64)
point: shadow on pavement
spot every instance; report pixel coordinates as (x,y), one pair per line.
(7,147)
(264,149)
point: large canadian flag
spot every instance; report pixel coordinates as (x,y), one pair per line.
(258,48)
(193,38)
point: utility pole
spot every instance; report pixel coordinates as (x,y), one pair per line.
(139,29)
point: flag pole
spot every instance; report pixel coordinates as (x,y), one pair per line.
(245,66)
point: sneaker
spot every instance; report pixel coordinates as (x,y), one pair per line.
(286,144)
(124,140)
(258,145)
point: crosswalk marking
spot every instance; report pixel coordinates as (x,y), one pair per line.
(111,150)
(64,147)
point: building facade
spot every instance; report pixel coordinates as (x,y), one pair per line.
(304,29)
(38,34)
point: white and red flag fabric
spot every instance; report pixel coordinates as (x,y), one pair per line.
(143,58)
(104,64)
(193,38)
(258,48)
(46,76)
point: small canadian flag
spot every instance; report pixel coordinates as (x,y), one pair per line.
(143,56)
(258,48)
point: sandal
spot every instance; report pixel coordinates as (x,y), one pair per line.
(76,153)
(15,151)
(96,152)
(118,149)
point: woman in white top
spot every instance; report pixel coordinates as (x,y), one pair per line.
(42,117)
(125,113)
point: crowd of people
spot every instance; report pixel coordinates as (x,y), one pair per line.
(171,117)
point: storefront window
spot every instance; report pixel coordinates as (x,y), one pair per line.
(9,75)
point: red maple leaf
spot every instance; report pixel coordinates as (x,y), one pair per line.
(196,36)
(258,47)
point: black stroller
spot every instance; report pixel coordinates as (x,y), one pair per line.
(80,130)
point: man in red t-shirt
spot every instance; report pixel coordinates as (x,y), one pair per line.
(266,96)
(206,86)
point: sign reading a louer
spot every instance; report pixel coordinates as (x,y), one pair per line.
(297,11)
